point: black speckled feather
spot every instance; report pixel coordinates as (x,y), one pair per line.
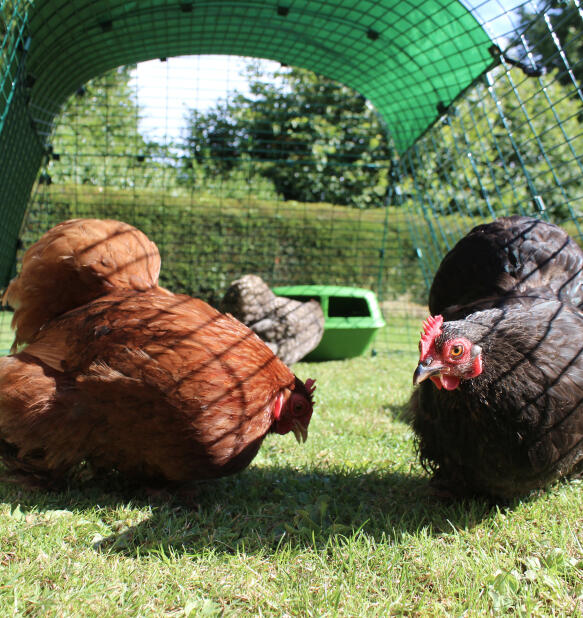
(512,255)
(514,288)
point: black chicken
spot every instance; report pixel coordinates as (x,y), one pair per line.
(502,411)
(508,256)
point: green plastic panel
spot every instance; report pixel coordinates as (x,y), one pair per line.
(410,59)
(352,317)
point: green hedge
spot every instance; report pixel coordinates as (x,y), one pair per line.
(206,242)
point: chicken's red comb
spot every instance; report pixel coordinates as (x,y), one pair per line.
(431,329)
(310,386)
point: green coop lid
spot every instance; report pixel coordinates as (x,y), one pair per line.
(342,305)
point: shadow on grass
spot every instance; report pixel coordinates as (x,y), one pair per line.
(262,508)
(399,412)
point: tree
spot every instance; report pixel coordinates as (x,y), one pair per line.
(316,139)
(97,139)
(213,138)
(509,145)
(565,23)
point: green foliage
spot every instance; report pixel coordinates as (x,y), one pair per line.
(13,19)
(6,334)
(207,240)
(97,141)
(511,145)
(211,175)
(316,139)
(213,140)
(542,152)
(566,57)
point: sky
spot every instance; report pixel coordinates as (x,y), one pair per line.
(167,89)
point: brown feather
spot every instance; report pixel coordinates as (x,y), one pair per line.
(155,385)
(73,263)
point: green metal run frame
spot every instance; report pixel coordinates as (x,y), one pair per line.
(410,59)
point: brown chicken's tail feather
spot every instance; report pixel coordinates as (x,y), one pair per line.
(30,472)
(25,471)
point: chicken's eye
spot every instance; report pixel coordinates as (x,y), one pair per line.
(298,406)
(456,350)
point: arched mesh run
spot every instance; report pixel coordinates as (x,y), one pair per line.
(483,119)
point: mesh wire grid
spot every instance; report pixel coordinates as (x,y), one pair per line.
(480,112)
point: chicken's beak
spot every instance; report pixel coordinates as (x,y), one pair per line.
(426,370)
(300,431)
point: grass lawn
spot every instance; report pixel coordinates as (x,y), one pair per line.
(6,335)
(341,526)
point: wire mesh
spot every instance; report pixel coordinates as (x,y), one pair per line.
(299,179)
(13,47)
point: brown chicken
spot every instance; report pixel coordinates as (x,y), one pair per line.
(75,262)
(157,386)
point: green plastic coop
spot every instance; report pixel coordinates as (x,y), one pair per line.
(352,318)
